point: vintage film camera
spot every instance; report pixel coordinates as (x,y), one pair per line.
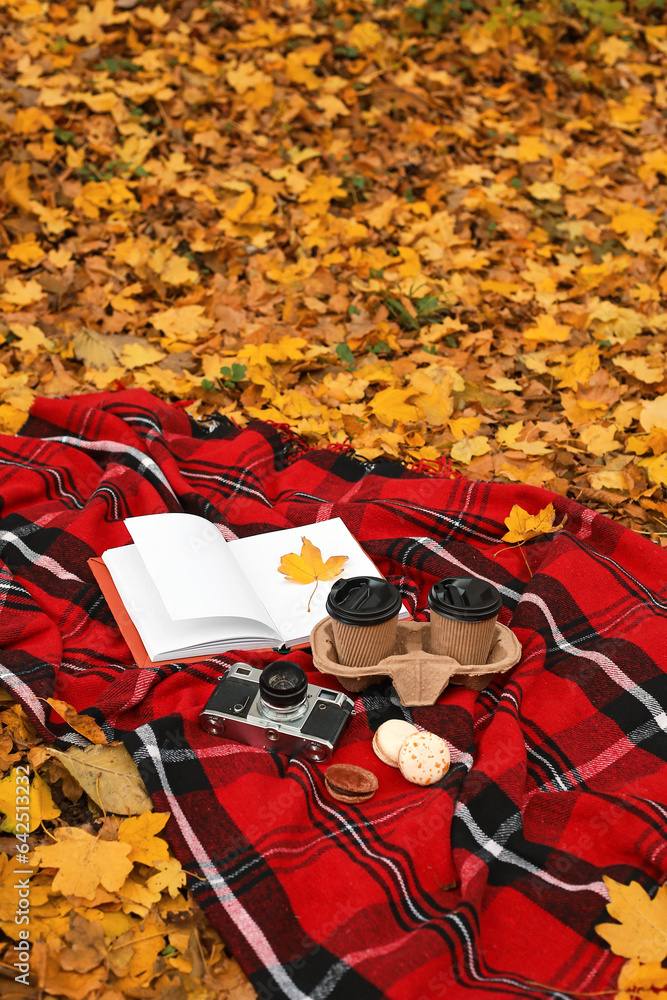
(277,709)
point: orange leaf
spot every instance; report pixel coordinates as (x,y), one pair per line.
(83,724)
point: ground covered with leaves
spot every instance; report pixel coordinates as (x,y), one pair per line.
(424,231)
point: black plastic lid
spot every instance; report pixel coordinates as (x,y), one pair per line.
(465,599)
(363,600)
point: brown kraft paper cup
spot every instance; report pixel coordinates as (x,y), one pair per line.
(364,614)
(464,611)
(467,642)
(364,645)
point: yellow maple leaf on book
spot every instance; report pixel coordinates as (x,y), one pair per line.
(309,567)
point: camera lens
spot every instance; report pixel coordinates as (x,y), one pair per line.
(283,687)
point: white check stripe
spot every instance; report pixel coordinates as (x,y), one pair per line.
(44,562)
(611,669)
(145,462)
(509,857)
(235,911)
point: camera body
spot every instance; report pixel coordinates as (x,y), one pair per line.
(246,708)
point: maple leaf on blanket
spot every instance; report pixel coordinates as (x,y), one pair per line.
(524,526)
(308,566)
(642,929)
(640,936)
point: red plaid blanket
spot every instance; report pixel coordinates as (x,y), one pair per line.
(489,883)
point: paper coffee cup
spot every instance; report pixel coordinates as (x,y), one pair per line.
(364,614)
(464,611)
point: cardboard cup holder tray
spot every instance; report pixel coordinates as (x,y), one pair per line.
(418,675)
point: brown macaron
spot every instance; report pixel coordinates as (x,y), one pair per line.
(349,783)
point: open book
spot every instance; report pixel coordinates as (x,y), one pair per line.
(189,593)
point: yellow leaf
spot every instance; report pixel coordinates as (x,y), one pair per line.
(647,369)
(26,252)
(612,49)
(111,196)
(182,323)
(103,378)
(30,338)
(506,385)
(298,61)
(513,436)
(137,897)
(655,162)
(656,467)
(599,439)
(139,832)
(124,302)
(472,447)
(165,380)
(479,40)
(546,328)
(608,479)
(170,876)
(135,954)
(332,106)
(139,354)
(582,365)
(84,862)
(524,526)
(54,220)
(533,474)
(655,442)
(31,120)
(529,149)
(11,419)
(176,271)
(89,23)
(390,405)
(84,724)
(654,413)
(246,77)
(22,293)
(642,929)
(464,426)
(308,567)
(340,388)
(636,975)
(16,183)
(157,16)
(60,258)
(365,36)
(40,807)
(241,205)
(470,173)
(549,191)
(635,220)
(320,192)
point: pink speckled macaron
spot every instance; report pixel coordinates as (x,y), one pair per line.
(423,758)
